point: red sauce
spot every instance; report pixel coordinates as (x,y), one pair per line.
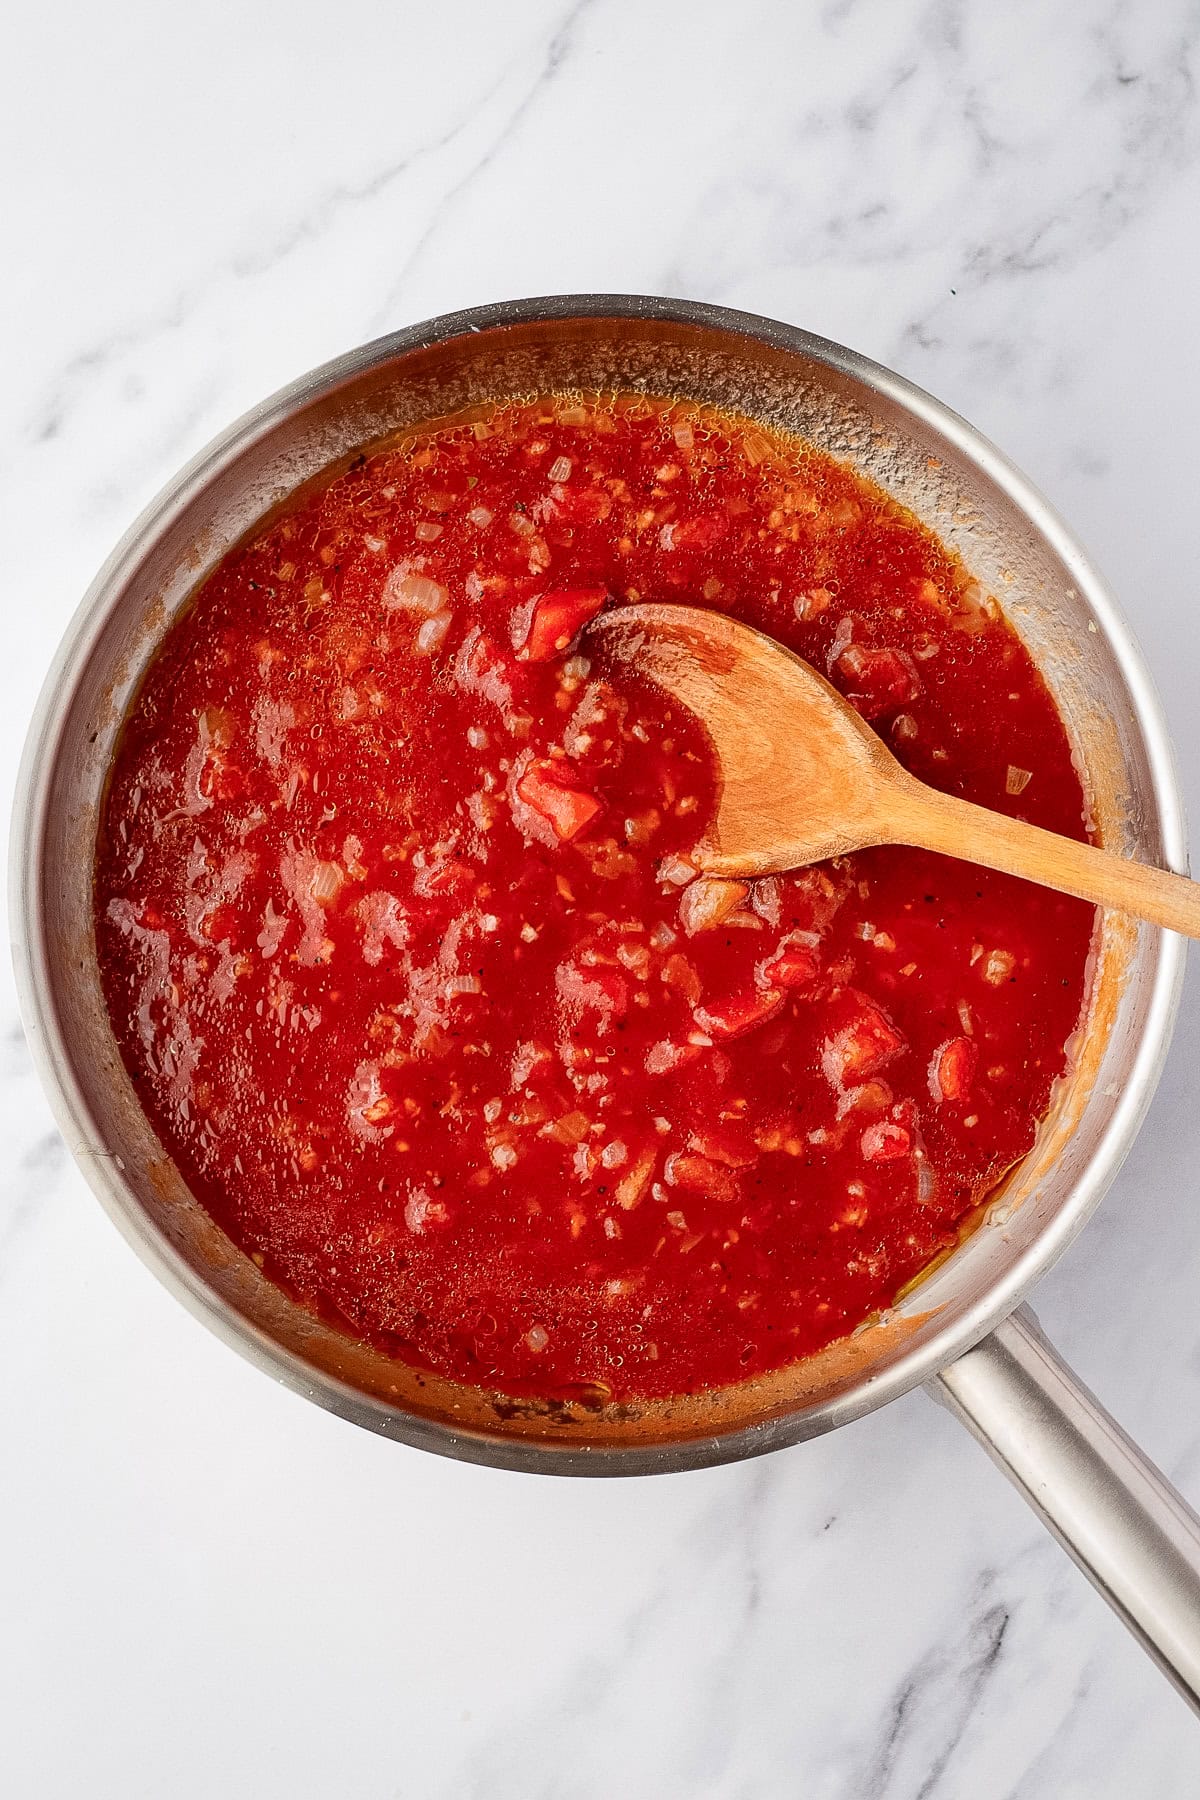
(403,952)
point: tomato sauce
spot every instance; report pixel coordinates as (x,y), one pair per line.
(404,952)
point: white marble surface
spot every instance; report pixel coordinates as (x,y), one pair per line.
(208,1587)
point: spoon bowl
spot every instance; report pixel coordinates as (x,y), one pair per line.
(802,777)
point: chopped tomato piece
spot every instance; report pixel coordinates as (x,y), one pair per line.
(686,1170)
(221,778)
(952,1069)
(861,1047)
(222,925)
(558,617)
(678,972)
(444,878)
(700,532)
(582,506)
(738,1014)
(886,1142)
(724,1147)
(876,681)
(636,1178)
(571,1128)
(794,966)
(481,667)
(568,810)
(664,1056)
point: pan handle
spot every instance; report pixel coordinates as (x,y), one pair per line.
(1134,1537)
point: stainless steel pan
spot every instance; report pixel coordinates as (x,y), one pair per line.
(958,1331)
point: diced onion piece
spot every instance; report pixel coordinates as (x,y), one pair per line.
(998,967)
(599,990)
(706,902)
(633,1184)
(1017,780)
(463,984)
(635,958)
(560,469)
(766,898)
(641,827)
(480,516)
(676,871)
(327,882)
(383,922)
(678,972)
(756,445)
(404,591)
(432,633)
(571,1129)
(526,1058)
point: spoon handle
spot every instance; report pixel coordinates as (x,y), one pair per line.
(919,815)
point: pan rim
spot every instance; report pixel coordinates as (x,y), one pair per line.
(73,1113)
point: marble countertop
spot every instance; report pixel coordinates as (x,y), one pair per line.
(209,1587)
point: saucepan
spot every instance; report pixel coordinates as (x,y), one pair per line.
(962,1331)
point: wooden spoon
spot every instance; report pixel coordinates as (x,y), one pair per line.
(803,777)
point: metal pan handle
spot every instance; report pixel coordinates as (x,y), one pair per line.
(1134,1537)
